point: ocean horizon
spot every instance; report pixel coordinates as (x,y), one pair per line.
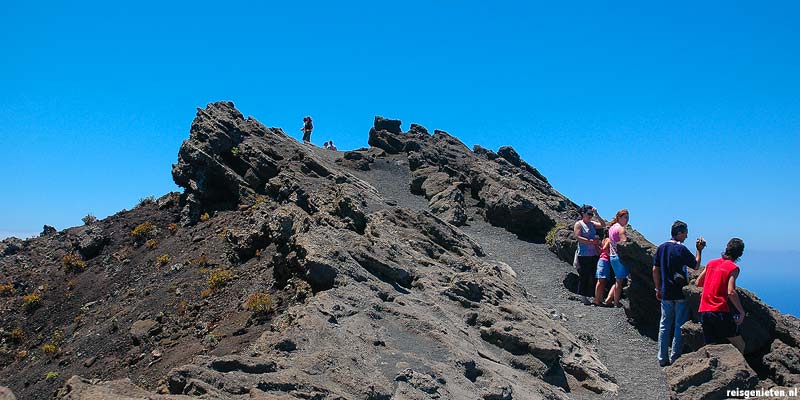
(770,275)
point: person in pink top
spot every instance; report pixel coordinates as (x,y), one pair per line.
(603,269)
(718,281)
(616,235)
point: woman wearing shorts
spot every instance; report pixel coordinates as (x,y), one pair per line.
(603,269)
(616,234)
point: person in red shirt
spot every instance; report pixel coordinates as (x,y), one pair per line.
(718,281)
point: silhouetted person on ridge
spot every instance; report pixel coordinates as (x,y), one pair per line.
(308,126)
(718,281)
(331,146)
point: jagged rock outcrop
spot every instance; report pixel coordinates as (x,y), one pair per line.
(399,296)
(279,273)
(710,373)
(772,340)
(513,194)
(77,388)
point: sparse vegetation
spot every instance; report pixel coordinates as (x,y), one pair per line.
(21,355)
(17,335)
(204,217)
(89,219)
(550,238)
(73,262)
(51,375)
(172,228)
(151,244)
(71,283)
(146,200)
(50,349)
(202,261)
(258,303)
(182,307)
(235,151)
(7,290)
(258,253)
(163,259)
(31,301)
(219,278)
(144,231)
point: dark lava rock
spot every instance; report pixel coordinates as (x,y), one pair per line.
(48,230)
(709,373)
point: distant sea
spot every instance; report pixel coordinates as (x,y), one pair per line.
(774,276)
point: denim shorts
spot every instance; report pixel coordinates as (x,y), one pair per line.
(603,269)
(620,271)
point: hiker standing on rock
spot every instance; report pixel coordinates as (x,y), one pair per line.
(307,128)
(670,276)
(718,281)
(616,234)
(588,251)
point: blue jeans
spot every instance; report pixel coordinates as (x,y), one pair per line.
(673,314)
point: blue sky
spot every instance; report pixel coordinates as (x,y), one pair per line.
(680,110)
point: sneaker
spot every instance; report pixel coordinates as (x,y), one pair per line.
(663,363)
(586,301)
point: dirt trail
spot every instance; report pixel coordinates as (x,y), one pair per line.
(630,356)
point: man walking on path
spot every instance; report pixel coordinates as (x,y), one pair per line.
(670,276)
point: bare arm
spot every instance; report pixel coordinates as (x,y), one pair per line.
(657,281)
(622,237)
(577,231)
(600,221)
(734,298)
(701,278)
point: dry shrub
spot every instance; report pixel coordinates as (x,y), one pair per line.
(72,262)
(258,303)
(7,290)
(219,278)
(163,259)
(31,301)
(144,231)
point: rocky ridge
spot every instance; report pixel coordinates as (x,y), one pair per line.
(368,299)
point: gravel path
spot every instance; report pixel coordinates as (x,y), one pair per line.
(630,356)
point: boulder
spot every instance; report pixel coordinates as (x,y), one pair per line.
(6,394)
(710,373)
(143,329)
(783,363)
(90,242)
(11,245)
(77,388)
(48,230)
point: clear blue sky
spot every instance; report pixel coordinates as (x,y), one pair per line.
(675,110)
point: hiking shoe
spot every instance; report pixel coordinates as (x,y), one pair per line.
(663,363)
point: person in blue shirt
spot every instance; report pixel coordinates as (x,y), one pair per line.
(670,275)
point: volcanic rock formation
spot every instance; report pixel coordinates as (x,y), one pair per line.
(280,273)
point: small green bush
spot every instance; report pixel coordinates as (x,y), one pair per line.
(550,238)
